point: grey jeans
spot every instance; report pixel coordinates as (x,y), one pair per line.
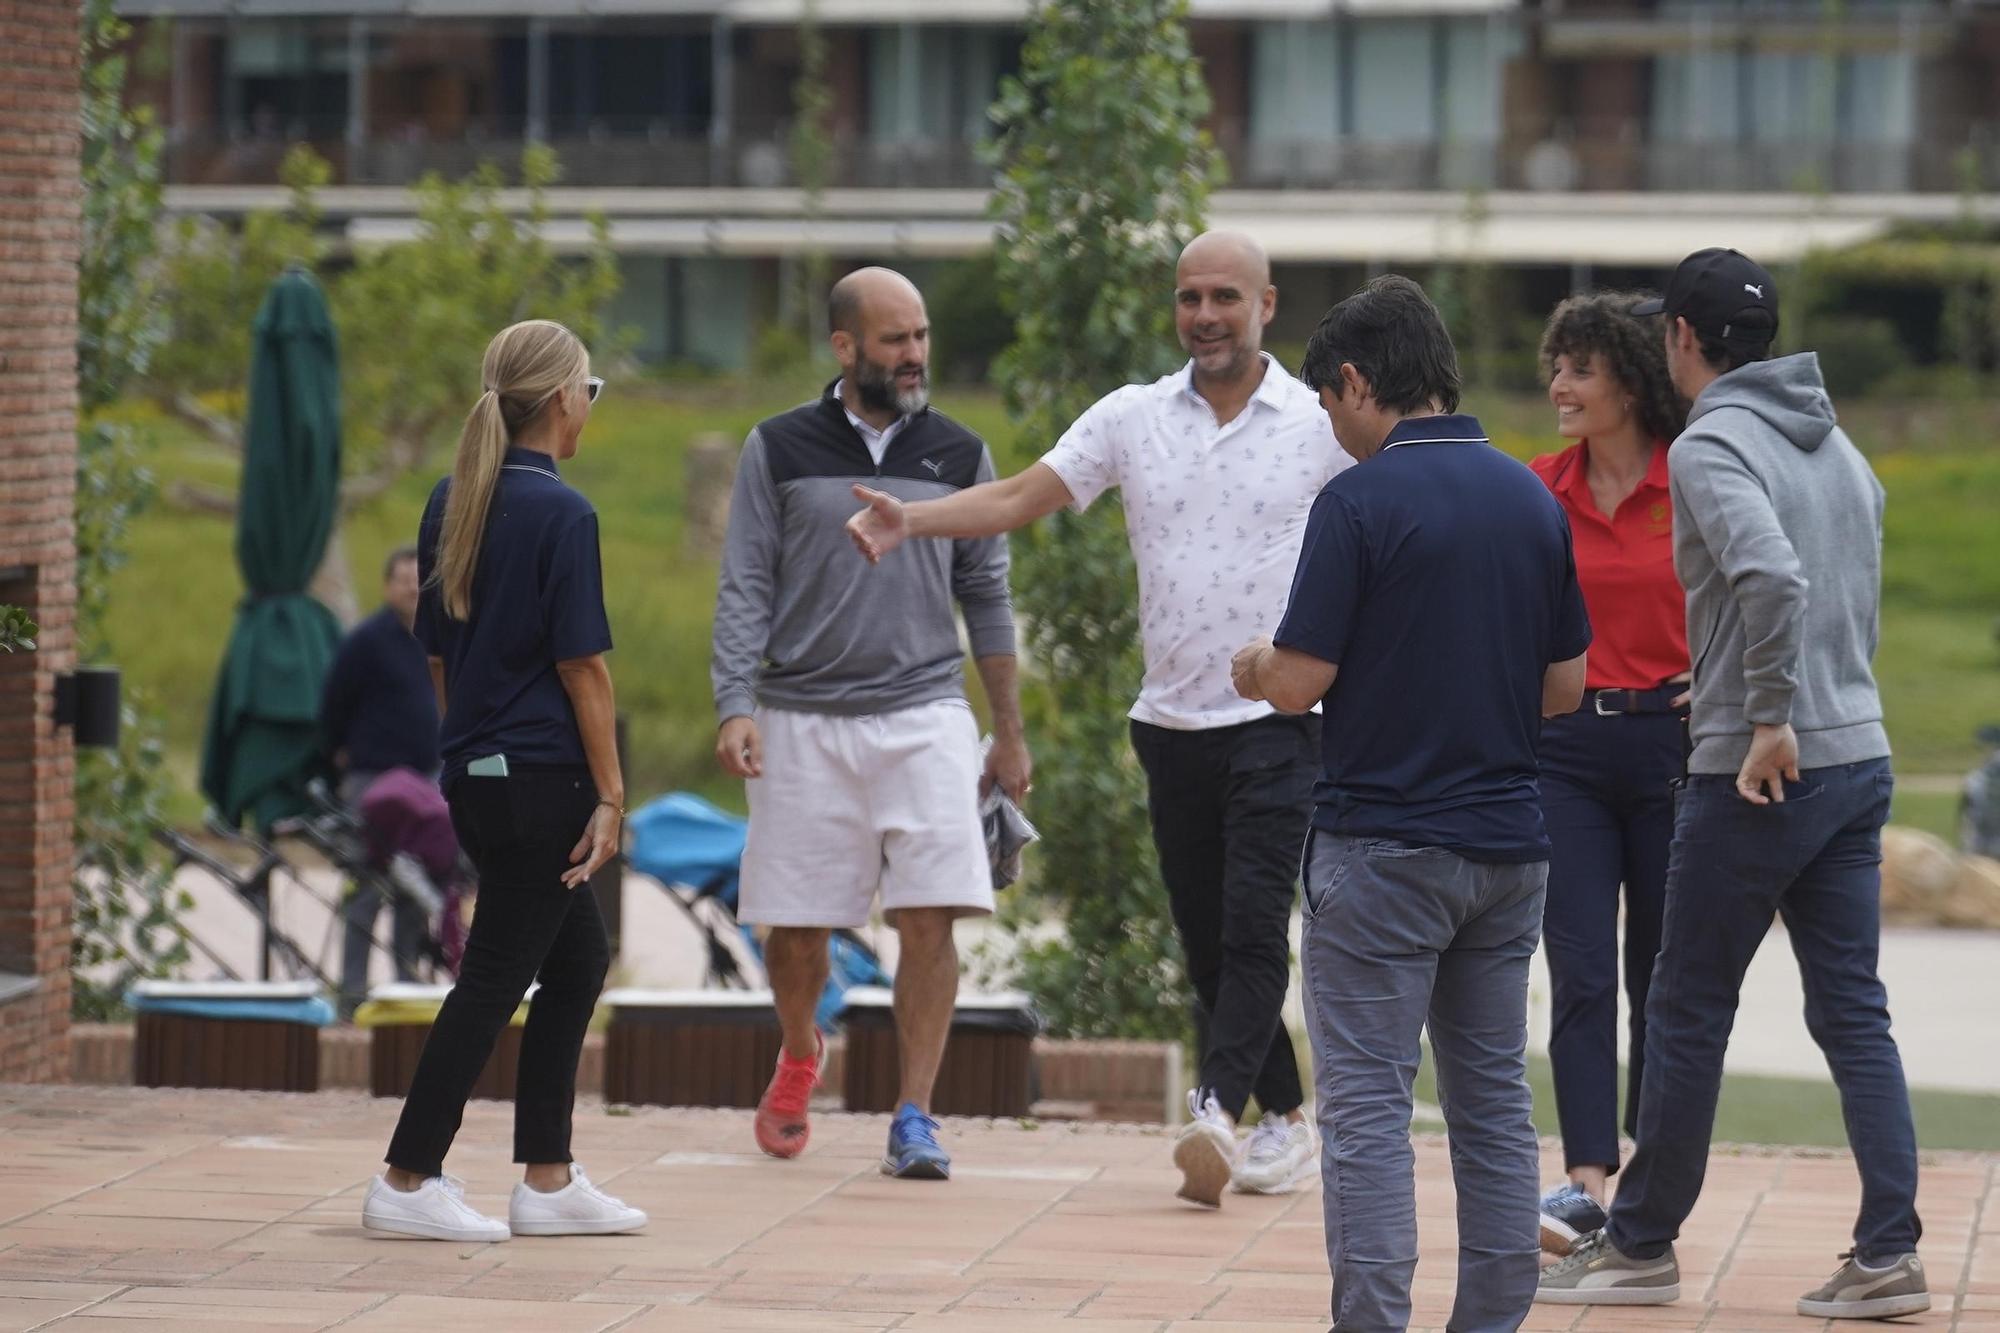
(1396,937)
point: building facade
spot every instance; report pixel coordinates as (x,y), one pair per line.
(1562,135)
(40,236)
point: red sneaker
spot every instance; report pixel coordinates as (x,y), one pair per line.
(782,1130)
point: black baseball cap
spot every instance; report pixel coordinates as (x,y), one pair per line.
(1723,294)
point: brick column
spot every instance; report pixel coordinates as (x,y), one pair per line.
(40,235)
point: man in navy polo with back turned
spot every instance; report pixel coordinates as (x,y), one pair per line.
(1437,614)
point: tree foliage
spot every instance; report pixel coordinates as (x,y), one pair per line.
(1105,174)
(127,912)
(17,630)
(414,315)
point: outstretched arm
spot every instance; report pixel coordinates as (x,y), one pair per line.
(985,510)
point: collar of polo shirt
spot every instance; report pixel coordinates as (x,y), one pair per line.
(1268,393)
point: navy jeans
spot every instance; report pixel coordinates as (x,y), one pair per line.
(1815,860)
(1608,802)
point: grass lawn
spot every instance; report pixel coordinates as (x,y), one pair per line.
(1791,1111)
(1939,661)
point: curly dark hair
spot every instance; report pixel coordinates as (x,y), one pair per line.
(1600,330)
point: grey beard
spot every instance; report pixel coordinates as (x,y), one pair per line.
(881,395)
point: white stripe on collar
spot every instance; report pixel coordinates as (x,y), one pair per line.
(1439,439)
(525,467)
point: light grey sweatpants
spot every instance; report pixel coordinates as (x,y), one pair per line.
(1395,937)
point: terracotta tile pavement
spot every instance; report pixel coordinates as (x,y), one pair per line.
(123,1209)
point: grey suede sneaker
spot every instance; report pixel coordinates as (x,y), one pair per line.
(1595,1273)
(1860,1292)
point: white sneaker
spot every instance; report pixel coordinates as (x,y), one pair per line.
(435,1210)
(577,1209)
(1276,1159)
(1204,1151)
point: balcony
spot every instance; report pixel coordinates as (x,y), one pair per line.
(611,155)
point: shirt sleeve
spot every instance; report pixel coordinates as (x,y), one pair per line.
(573,615)
(429,625)
(979,582)
(1572,634)
(744,594)
(1331,579)
(1715,489)
(1086,457)
(336,700)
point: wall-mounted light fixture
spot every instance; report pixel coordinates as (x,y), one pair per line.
(87,703)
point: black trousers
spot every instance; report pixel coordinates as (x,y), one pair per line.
(1230,806)
(518,832)
(1607,799)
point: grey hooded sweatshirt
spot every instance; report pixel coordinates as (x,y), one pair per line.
(1778,541)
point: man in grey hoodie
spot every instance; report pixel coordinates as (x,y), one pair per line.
(1778,541)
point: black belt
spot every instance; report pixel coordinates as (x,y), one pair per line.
(1616,703)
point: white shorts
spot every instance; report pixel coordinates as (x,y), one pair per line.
(851,805)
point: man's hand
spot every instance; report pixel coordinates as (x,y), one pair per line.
(1008,764)
(740,749)
(881,527)
(1243,668)
(1773,757)
(598,844)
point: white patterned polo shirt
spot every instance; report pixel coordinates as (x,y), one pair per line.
(1216,515)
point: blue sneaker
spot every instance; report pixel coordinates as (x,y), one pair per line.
(914,1153)
(1568,1215)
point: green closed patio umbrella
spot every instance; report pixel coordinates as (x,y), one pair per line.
(262,744)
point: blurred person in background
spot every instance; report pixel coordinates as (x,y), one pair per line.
(378,712)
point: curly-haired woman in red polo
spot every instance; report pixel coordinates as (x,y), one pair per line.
(1608,768)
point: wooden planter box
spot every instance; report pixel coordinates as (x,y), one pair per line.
(396,1044)
(208,1050)
(989,1064)
(689,1048)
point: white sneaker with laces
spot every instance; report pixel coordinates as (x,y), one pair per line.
(577,1209)
(1276,1159)
(435,1210)
(1205,1151)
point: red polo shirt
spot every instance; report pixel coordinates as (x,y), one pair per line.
(1626,566)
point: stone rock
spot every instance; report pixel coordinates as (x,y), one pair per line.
(1919,872)
(1975,899)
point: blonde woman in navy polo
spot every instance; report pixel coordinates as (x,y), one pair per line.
(1608,768)
(512,617)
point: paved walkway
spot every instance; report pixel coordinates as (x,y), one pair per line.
(122,1209)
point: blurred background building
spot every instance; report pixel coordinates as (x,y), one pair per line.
(1569,142)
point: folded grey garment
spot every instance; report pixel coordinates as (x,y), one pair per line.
(1008,833)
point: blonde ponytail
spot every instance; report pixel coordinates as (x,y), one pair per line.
(525,366)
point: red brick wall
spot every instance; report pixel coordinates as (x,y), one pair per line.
(39,239)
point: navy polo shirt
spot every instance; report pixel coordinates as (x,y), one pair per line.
(1438,577)
(537,599)
(378,703)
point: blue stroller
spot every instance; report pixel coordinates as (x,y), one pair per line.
(695,850)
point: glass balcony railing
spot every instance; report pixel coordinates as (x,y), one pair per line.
(628,156)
